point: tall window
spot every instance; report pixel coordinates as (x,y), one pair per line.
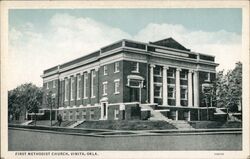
(170,73)
(92,83)
(47,85)
(207,77)
(183,93)
(117,84)
(135,67)
(117,67)
(157,71)
(85,85)
(104,88)
(78,86)
(105,70)
(157,91)
(183,75)
(171,93)
(72,88)
(54,83)
(116,114)
(66,89)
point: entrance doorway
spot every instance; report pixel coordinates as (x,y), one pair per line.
(134,94)
(104,110)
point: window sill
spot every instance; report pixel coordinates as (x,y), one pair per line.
(157,75)
(116,71)
(157,97)
(104,94)
(93,97)
(135,71)
(85,98)
(117,93)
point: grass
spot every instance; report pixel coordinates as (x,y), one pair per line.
(127,125)
(215,124)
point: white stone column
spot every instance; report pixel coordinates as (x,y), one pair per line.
(189,115)
(177,87)
(176,115)
(165,86)
(196,89)
(152,83)
(190,88)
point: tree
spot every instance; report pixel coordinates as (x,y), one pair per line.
(26,98)
(229,89)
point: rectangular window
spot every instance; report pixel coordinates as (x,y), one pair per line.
(170,73)
(135,67)
(54,84)
(84,114)
(157,71)
(70,115)
(207,77)
(72,88)
(157,91)
(171,93)
(47,85)
(117,84)
(117,67)
(64,115)
(183,75)
(66,89)
(77,115)
(116,114)
(78,86)
(92,83)
(91,114)
(183,93)
(105,70)
(104,88)
(85,85)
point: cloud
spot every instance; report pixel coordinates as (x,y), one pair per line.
(69,37)
(225,46)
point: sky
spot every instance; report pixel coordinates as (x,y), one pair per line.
(42,38)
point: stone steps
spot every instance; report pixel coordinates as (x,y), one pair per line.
(156,115)
(76,124)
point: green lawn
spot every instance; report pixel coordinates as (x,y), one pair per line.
(215,124)
(127,125)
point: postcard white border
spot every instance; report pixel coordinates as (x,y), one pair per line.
(5,5)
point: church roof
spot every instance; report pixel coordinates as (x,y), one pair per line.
(171,43)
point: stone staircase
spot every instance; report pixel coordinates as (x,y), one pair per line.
(27,122)
(76,124)
(157,115)
(181,124)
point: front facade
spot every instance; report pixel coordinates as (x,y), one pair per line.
(116,81)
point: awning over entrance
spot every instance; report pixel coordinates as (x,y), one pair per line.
(135,77)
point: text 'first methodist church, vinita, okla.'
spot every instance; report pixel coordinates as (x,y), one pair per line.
(130,80)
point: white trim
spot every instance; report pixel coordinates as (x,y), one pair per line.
(72,81)
(160,95)
(117,67)
(93,75)
(54,83)
(66,84)
(117,87)
(137,68)
(79,80)
(105,70)
(104,93)
(85,79)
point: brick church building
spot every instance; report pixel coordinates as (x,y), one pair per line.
(127,78)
